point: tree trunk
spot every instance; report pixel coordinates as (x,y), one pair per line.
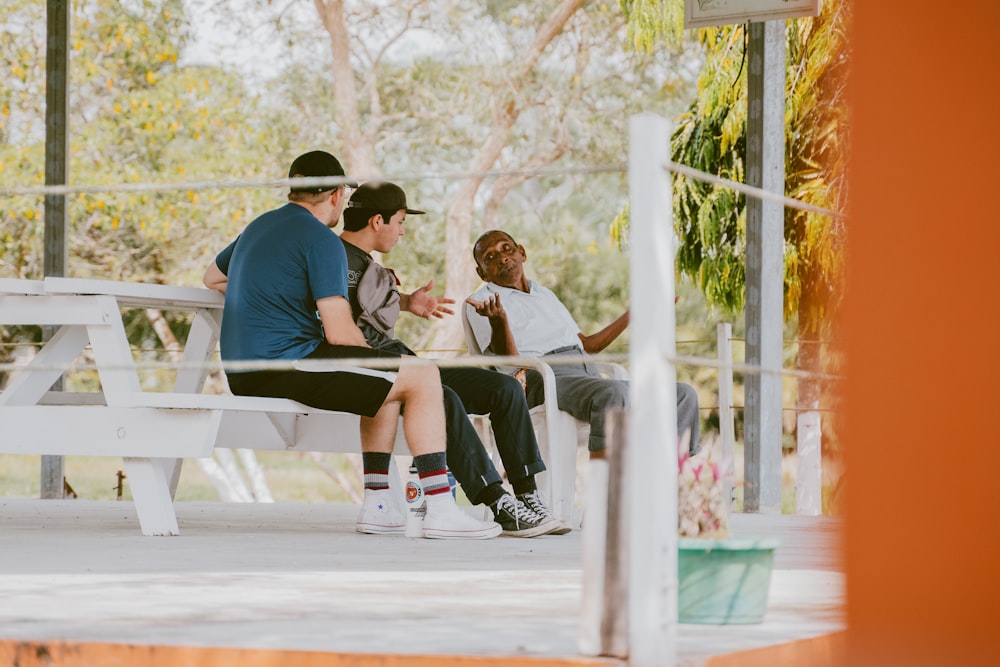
(460,272)
(358,148)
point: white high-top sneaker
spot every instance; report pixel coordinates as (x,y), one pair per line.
(446,521)
(380,515)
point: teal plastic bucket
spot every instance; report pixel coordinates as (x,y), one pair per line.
(723,581)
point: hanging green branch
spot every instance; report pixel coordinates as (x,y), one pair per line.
(711,136)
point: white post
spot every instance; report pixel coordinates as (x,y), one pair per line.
(652,432)
(727,426)
(594,554)
(809,480)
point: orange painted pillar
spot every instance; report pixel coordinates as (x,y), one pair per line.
(922,335)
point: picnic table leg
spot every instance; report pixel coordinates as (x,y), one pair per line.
(27,386)
(151,492)
(201,341)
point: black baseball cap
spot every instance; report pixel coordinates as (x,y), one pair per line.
(381,196)
(316,164)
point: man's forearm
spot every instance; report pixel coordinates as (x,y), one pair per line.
(600,340)
(215,279)
(501,339)
(338,322)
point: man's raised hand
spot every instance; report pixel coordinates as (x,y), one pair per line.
(422,304)
(490,308)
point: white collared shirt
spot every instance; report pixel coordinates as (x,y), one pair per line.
(538,320)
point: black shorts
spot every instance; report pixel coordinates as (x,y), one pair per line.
(357,390)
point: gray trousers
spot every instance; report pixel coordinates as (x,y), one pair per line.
(583,393)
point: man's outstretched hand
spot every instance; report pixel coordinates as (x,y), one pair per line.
(422,304)
(490,308)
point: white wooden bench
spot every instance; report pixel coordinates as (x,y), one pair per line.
(151,431)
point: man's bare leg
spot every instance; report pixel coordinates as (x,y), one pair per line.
(417,391)
(418,388)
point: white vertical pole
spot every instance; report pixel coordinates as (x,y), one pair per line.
(727,426)
(652,432)
(809,480)
(594,556)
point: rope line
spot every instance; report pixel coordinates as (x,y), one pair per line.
(750,190)
(384,364)
(289,182)
(673,167)
(693,341)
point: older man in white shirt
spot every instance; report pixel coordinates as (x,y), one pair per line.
(512,315)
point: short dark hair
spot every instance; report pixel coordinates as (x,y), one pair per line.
(482,237)
(355,219)
(310,197)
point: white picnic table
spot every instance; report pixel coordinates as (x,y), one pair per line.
(151,431)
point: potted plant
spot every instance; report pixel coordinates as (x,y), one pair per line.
(721,580)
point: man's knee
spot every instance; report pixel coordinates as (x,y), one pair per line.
(422,374)
(613,394)
(419,381)
(687,397)
(688,416)
(505,389)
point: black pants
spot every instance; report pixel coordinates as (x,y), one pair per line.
(480,391)
(466,391)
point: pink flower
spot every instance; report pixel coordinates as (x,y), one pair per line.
(702,506)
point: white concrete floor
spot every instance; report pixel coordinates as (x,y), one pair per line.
(297,576)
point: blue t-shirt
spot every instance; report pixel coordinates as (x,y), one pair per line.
(282,263)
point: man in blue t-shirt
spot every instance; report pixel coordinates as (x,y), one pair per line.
(285,281)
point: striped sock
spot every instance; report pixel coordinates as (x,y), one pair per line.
(433,471)
(376,466)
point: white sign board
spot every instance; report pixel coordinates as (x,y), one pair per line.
(703,13)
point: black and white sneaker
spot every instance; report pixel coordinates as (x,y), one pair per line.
(518,521)
(533,501)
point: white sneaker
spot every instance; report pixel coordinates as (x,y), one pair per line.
(380,515)
(447,521)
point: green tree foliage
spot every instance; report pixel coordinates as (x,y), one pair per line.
(437,105)
(136,117)
(710,136)
(140,114)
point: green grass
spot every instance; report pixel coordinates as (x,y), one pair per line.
(297,477)
(291,476)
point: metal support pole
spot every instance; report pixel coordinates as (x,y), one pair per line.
(764,271)
(56,171)
(652,432)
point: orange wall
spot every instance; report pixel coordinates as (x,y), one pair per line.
(922,539)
